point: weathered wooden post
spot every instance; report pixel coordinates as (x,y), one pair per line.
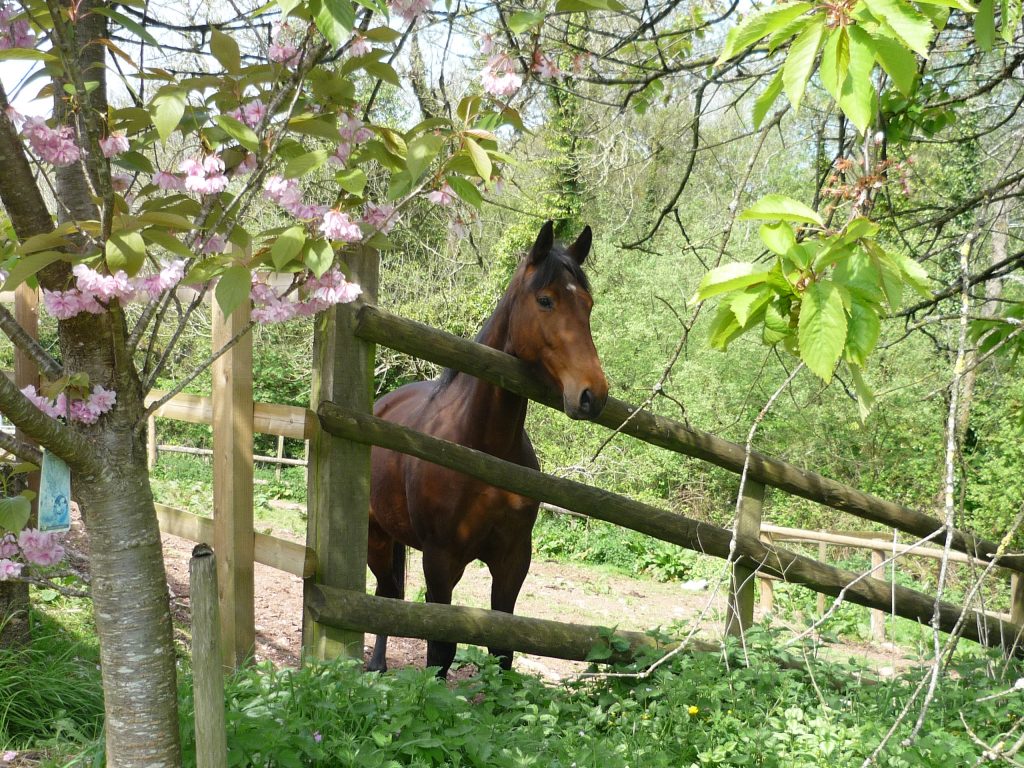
(740,610)
(1017,599)
(767,593)
(207,660)
(233,485)
(877,616)
(338,495)
(280,455)
(822,551)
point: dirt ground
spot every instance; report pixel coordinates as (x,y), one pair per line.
(560,591)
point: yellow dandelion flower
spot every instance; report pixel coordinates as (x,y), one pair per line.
(693,710)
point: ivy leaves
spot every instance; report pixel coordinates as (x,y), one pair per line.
(824,296)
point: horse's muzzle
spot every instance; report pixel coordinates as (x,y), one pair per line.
(587,405)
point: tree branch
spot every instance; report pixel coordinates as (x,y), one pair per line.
(9,325)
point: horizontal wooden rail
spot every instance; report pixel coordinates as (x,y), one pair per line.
(879,543)
(677,529)
(287,556)
(506,371)
(268,418)
(346,609)
(209,452)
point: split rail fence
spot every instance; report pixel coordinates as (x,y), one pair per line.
(341,429)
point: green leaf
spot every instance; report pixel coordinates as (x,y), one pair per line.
(729,277)
(167,109)
(465,190)
(800,61)
(322,126)
(287,246)
(319,257)
(863,327)
(125,250)
(776,321)
(835,62)
(891,279)
(303,164)
(778,237)
(520,22)
(352,180)
(782,208)
(915,275)
(765,100)
(898,62)
(239,131)
(383,71)
(865,398)
(481,161)
(724,327)
(287,6)
(225,50)
(334,19)
(422,151)
(985,24)
(822,328)
(26,54)
(233,288)
(857,96)
(392,140)
(912,28)
(167,241)
(1013,10)
(746,304)
(14,513)
(753,28)
(128,23)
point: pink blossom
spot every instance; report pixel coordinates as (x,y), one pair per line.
(499,185)
(410,9)
(206,176)
(253,113)
(114,144)
(100,286)
(317,737)
(8,545)
(444,196)
(42,403)
(332,288)
(81,412)
(40,548)
(14,34)
(581,61)
(352,129)
(498,77)
(338,226)
(382,218)
(62,304)
(102,400)
(120,181)
(14,116)
(168,181)
(283,54)
(486,44)
(460,229)
(341,154)
(215,244)
(545,66)
(274,312)
(54,145)
(359,46)
(9,570)
(171,274)
(275,187)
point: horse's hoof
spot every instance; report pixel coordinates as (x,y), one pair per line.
(372,667)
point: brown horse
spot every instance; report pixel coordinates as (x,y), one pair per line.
(544,320)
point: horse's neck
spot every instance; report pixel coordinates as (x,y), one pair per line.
(493,418)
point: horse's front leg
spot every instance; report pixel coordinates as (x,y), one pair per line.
(386,558)
(508,573)
(441,572)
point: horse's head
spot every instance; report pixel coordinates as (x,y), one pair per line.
(549,321)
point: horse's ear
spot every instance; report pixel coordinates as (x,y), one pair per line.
(581,247)
(542,246)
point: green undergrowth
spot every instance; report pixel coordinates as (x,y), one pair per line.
(777,710)
(50,693)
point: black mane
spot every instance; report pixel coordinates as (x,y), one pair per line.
(545,273)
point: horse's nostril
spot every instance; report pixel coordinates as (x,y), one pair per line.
(586,401)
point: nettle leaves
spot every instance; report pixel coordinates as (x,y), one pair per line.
(843,43)
(823,298)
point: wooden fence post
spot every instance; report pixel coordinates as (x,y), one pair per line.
(822,551)
(338,494)
(280,455)
(1017,599)
(152,454)
(740,610)
(207,664)
(767,591)
(877,616)
(233,484)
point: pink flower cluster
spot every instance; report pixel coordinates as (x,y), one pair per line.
(499,77)
(444,196)
(93,287)
(54,145)
(381,217)
(14,34)
(39,547)
(336,225)
(205,176)
(85,411)
(321,293)
(545,65)
(114,144)
(410,9)
(353,131)
(251,114)
(280,52)
(169,181)
(287,194)
(359,46)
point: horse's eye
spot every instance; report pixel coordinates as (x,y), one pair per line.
(545,302)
